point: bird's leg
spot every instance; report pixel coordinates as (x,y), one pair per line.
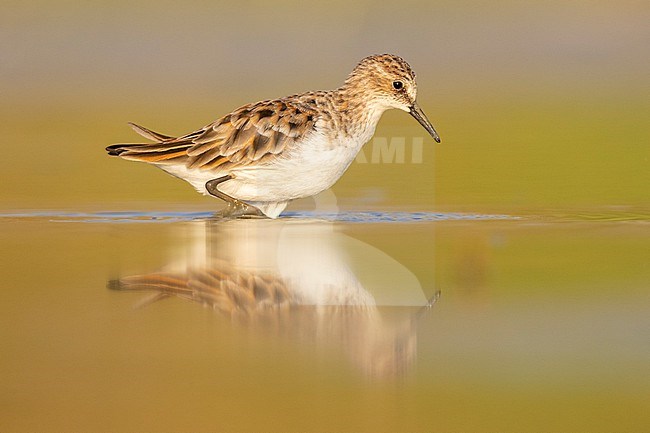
(212,187)
(234,208)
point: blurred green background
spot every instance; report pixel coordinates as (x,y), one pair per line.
(539,104)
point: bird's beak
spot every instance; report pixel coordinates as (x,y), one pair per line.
(419,115)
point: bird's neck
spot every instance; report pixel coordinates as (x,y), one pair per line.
(355,112)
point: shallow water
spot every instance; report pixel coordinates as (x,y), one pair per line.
(375,321)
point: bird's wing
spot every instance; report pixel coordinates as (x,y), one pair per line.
(222,286)
(253,133)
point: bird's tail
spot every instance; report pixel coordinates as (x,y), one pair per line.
(164,148)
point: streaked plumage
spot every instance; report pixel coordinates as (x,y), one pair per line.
(271,152)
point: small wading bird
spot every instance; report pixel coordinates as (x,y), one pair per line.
(263,155)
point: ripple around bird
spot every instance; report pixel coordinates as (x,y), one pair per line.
(347,216)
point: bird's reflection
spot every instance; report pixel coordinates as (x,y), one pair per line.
(302,280)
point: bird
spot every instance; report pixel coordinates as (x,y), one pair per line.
(261,156)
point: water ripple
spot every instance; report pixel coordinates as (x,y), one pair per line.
(399,217)
(167,217)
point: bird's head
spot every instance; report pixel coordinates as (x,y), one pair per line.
(389,82)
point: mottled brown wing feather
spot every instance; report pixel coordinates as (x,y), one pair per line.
(222,286)
(253,133)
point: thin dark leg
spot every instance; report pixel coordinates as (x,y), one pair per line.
(212,185)
(235,208)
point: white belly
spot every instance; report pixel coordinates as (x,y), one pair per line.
(311,167)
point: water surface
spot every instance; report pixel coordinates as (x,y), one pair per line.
(377,321)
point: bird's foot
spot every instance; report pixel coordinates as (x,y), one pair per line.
(239,209)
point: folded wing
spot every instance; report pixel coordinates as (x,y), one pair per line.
(252,133)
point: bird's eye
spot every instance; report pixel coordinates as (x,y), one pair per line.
(398,85)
